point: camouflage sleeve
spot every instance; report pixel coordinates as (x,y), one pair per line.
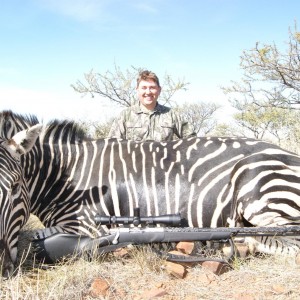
(118,129)
(187,130)
(183,128)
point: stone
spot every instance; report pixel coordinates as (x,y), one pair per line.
(176,270)
(99,287)
(154,293)
(216,267)
(185,247)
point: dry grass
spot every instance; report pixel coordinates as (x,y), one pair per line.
(132,277)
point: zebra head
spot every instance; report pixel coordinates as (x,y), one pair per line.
(14,196)
(11,123)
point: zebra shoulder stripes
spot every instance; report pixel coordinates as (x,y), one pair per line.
(210,181)
(14,198)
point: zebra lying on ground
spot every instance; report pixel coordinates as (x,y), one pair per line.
(14,198)
(211,181)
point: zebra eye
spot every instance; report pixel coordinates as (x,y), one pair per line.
(15,188)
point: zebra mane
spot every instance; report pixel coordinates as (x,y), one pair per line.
(11,123)
(28,120)
(68,130)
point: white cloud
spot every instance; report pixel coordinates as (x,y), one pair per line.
(146,7)
(81,10)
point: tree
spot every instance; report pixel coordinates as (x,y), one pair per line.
(225,130)
(258,121)
(120,87)
(200,116)
(271,77)
(286,130)
(101,130)
(268,95)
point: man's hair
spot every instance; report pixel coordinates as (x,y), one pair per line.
(147,75)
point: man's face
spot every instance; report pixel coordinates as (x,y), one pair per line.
(148,92)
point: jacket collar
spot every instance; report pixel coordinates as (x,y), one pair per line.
(138,109)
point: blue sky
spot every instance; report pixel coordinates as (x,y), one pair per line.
(47,45)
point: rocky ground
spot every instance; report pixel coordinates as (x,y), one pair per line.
(138,273)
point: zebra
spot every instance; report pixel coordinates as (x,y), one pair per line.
(14,196)
(211,181)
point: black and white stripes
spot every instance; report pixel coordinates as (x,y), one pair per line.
(14,196)
(210,181)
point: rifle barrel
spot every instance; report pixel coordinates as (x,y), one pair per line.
(176,234)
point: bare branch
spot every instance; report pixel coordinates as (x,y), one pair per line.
(120,87)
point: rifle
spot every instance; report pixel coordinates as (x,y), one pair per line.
(53,247)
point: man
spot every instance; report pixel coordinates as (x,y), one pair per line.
(149,120)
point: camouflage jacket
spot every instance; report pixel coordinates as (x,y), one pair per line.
(139,124)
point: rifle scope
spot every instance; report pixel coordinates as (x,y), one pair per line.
(169,219)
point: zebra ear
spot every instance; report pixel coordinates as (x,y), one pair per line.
(23,141)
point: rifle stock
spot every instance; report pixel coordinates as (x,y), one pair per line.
(57,246)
